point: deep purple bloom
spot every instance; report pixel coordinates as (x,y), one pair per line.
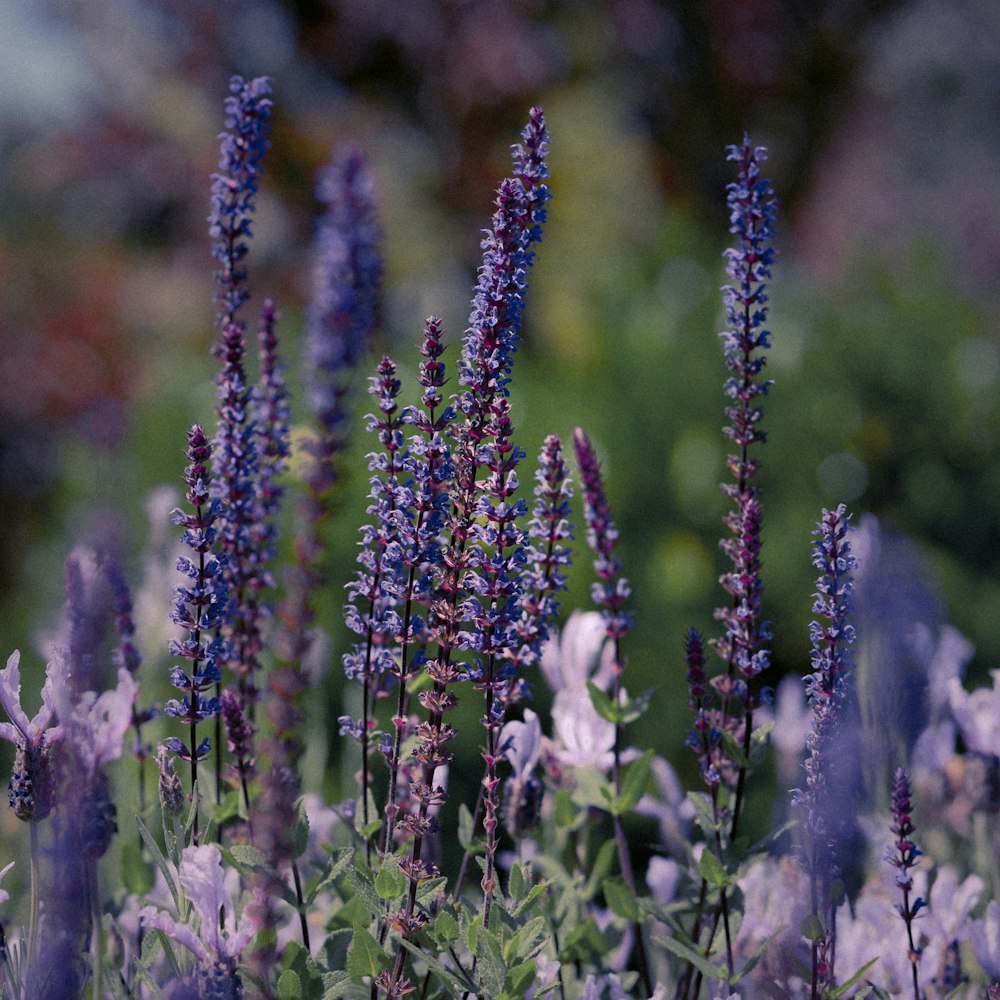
(903,855)
(201,605)
(827,802)
(612,590)
(544,575)
(234,188)
(751,215)
(345,306)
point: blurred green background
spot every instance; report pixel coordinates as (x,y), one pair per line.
(883,128)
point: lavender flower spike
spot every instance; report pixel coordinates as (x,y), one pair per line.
(903,857)
(234,187)
(826,804)
(344,310)
(613,590)
(751,216)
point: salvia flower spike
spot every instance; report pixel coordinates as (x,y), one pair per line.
(903,856)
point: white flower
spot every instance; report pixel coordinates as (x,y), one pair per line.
(582,737)
(522,743)
(977,715)
(581,652)
(220,936)
(22,731)
(672,809)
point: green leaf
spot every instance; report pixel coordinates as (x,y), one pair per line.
(465,828)
(621,899)
(246,859)
(844,987)
(365,957)
(137,872)
(289,986)
(160,861)
(734,750)
(710,868)
(300,832)
(365,891)
(564,809)
(584,943)
(635,708)
(812,928)
(227,809)
(603,704)
(390,881)
(430,890)
(517,885)
(490,963)
(534,893)
(602,866)
(689,954)
(521,977)
(703,810)
(445,928)
(634,784)
(457,983)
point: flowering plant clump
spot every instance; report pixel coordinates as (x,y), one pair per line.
(241,882)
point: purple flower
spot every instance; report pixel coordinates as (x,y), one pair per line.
(751,215)
(201,603)
(827,803)
(903,857)
(612,590)
(218,937)
(32,785)
(345,305)
(234,187)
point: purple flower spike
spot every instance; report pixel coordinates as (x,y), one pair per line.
(234,187)
(345,307)
(201,604)
(613,590)
(903,855)
(751,216)
(548,556)
(827,804)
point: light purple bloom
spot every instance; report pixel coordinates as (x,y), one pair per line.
(220,936)
(581,652)
(22,731)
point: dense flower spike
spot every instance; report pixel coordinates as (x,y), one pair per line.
(903,855)
(825,805)
(200,606)
(612,590)
(345,306)
(235,473)
(272,424)
(549,530)
(234,188)
(751,215)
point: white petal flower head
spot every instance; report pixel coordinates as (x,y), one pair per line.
(522,743)
(21,730)
(221,936)
(977,715)
(583,738)
(581,652)
(95,725)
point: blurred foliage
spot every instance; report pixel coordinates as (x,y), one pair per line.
(885,357)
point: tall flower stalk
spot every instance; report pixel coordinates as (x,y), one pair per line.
(610,593)
(823,804)
(903,855)
(729,706)
(200,608)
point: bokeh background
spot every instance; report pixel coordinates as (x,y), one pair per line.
(883,124)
